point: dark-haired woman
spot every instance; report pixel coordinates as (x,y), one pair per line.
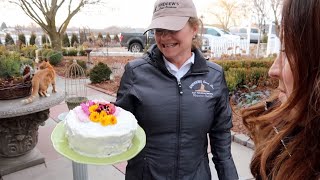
(286,129)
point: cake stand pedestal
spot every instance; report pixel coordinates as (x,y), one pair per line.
(80,171)
(19,124)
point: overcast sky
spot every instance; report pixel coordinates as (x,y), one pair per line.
(129,13)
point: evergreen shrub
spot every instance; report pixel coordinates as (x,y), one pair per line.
(99,73)
(54,57)
(45,52)
(82,52)
(9,40)
(29,51)
(3,50)
(32,40)
(83,64)
(65,40)
(10,65)
(74,39)
(22,38)
(69,52)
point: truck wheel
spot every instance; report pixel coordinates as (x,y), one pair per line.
(135,47)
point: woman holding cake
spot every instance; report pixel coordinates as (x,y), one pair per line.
(286,129)
(178,98)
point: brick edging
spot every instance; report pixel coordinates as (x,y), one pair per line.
(242,139)
(101,90)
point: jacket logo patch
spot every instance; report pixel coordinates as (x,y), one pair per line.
(201,88)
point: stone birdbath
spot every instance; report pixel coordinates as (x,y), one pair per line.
(88,51)
(89,62)
(19,125)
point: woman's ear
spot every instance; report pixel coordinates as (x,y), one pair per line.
(195,30)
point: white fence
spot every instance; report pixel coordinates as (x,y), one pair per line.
(220,47)
(243,47)
(274,45)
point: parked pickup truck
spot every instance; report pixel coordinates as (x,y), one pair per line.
(136,42)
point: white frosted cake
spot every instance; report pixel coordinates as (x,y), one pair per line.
(100,129)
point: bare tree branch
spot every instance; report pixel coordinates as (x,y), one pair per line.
(64,25)
(227,11)
(260,8)
(46,5)
(275,7)
(29,11)
(44,12)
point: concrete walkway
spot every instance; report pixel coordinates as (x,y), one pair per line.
(58,167)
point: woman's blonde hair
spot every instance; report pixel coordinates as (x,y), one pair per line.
(197,40)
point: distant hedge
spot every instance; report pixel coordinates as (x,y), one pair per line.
(247,72)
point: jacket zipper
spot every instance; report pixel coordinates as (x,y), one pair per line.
(179,122)
(180,87)
(178,128)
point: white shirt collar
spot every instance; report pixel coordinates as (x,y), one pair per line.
(178,73)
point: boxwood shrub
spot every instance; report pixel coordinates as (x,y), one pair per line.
(54,57)
(247,72)
(99,73)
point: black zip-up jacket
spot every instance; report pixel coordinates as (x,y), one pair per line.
(177,116)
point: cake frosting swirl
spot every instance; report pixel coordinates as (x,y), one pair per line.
(100,129)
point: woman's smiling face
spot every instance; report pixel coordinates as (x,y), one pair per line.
(281,70)
(176,45)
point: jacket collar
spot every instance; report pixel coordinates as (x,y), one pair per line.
(154,57)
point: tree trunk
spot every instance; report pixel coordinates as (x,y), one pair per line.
(56,41)
(258,45)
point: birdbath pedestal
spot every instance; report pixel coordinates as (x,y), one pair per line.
(88,55)
(19,124)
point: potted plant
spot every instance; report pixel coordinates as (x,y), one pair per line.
(15,75)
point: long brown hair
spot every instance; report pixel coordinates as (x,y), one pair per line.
(287,137)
